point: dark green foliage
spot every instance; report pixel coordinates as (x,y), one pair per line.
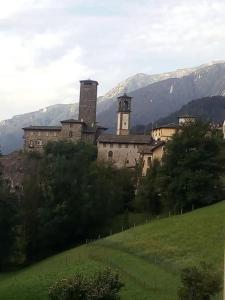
(200,283)
(148,197)
(69,197)
(190,174)
(102,286)
(192,167)
(8,220)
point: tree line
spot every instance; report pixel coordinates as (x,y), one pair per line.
(69,197)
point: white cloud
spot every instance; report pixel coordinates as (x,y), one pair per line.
(48,45)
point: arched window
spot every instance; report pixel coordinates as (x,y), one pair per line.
(110,154)
(126,105)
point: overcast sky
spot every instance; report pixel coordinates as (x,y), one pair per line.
(47,46)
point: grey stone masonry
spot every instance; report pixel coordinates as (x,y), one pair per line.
(88,101)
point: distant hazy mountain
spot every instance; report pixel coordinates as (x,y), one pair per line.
(161,98)
(211,109)
(154,97)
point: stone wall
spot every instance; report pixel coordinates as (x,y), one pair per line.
(34,140)
(71,131)
(122,155)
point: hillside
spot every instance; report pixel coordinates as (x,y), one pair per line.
(154,96)
(148,257)
(210,109)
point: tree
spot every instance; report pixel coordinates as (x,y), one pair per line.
(199,283)
(70,197)
(148,197)
(192,168)
(8,220)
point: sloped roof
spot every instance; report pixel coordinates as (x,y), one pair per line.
(72,121)
(170,125)
(148,149)
(48,128)
(125,139)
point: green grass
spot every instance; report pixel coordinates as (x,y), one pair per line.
(148,257)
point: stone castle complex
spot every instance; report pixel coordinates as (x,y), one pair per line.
(123,148)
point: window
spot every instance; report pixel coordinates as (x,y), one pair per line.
(126,145)
(55,133)
(110,154)
(119,145)
(111,145)
(149,161)
(39,142)
(104,145)
(31,144)
(127,161)
(71,125)
(47,134)
(70,134)
(39,133)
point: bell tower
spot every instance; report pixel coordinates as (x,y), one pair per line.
(123,115)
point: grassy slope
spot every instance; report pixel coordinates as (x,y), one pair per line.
(148,257)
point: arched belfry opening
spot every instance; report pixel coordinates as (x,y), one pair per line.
(124,110)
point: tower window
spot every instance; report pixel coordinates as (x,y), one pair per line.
(149,161)
(110,154)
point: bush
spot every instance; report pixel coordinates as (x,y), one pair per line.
(102,286)
(199,283)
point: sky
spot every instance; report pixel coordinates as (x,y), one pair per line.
(47,46)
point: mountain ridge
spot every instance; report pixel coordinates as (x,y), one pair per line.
(168,93)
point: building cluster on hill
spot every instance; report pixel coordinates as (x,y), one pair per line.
(123,148)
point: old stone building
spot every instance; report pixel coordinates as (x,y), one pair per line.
(85,128)
(124,149)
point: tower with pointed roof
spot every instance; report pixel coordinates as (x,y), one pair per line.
(123,115)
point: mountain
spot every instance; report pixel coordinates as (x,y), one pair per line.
(210,109)
(154,97)
(161,98)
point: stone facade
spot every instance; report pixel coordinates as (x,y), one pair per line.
(122,151)
(88,101)
(84,129)
(127,150)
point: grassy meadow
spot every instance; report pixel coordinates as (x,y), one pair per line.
(148,257)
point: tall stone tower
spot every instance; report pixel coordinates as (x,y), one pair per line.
(123,115)
(88,101)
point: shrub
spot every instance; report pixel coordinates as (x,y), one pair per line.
(199,283)
(103,285)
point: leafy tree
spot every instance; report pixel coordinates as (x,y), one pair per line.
(192,167)
(199,283)
(69,197)
(8,220)
(148,197)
